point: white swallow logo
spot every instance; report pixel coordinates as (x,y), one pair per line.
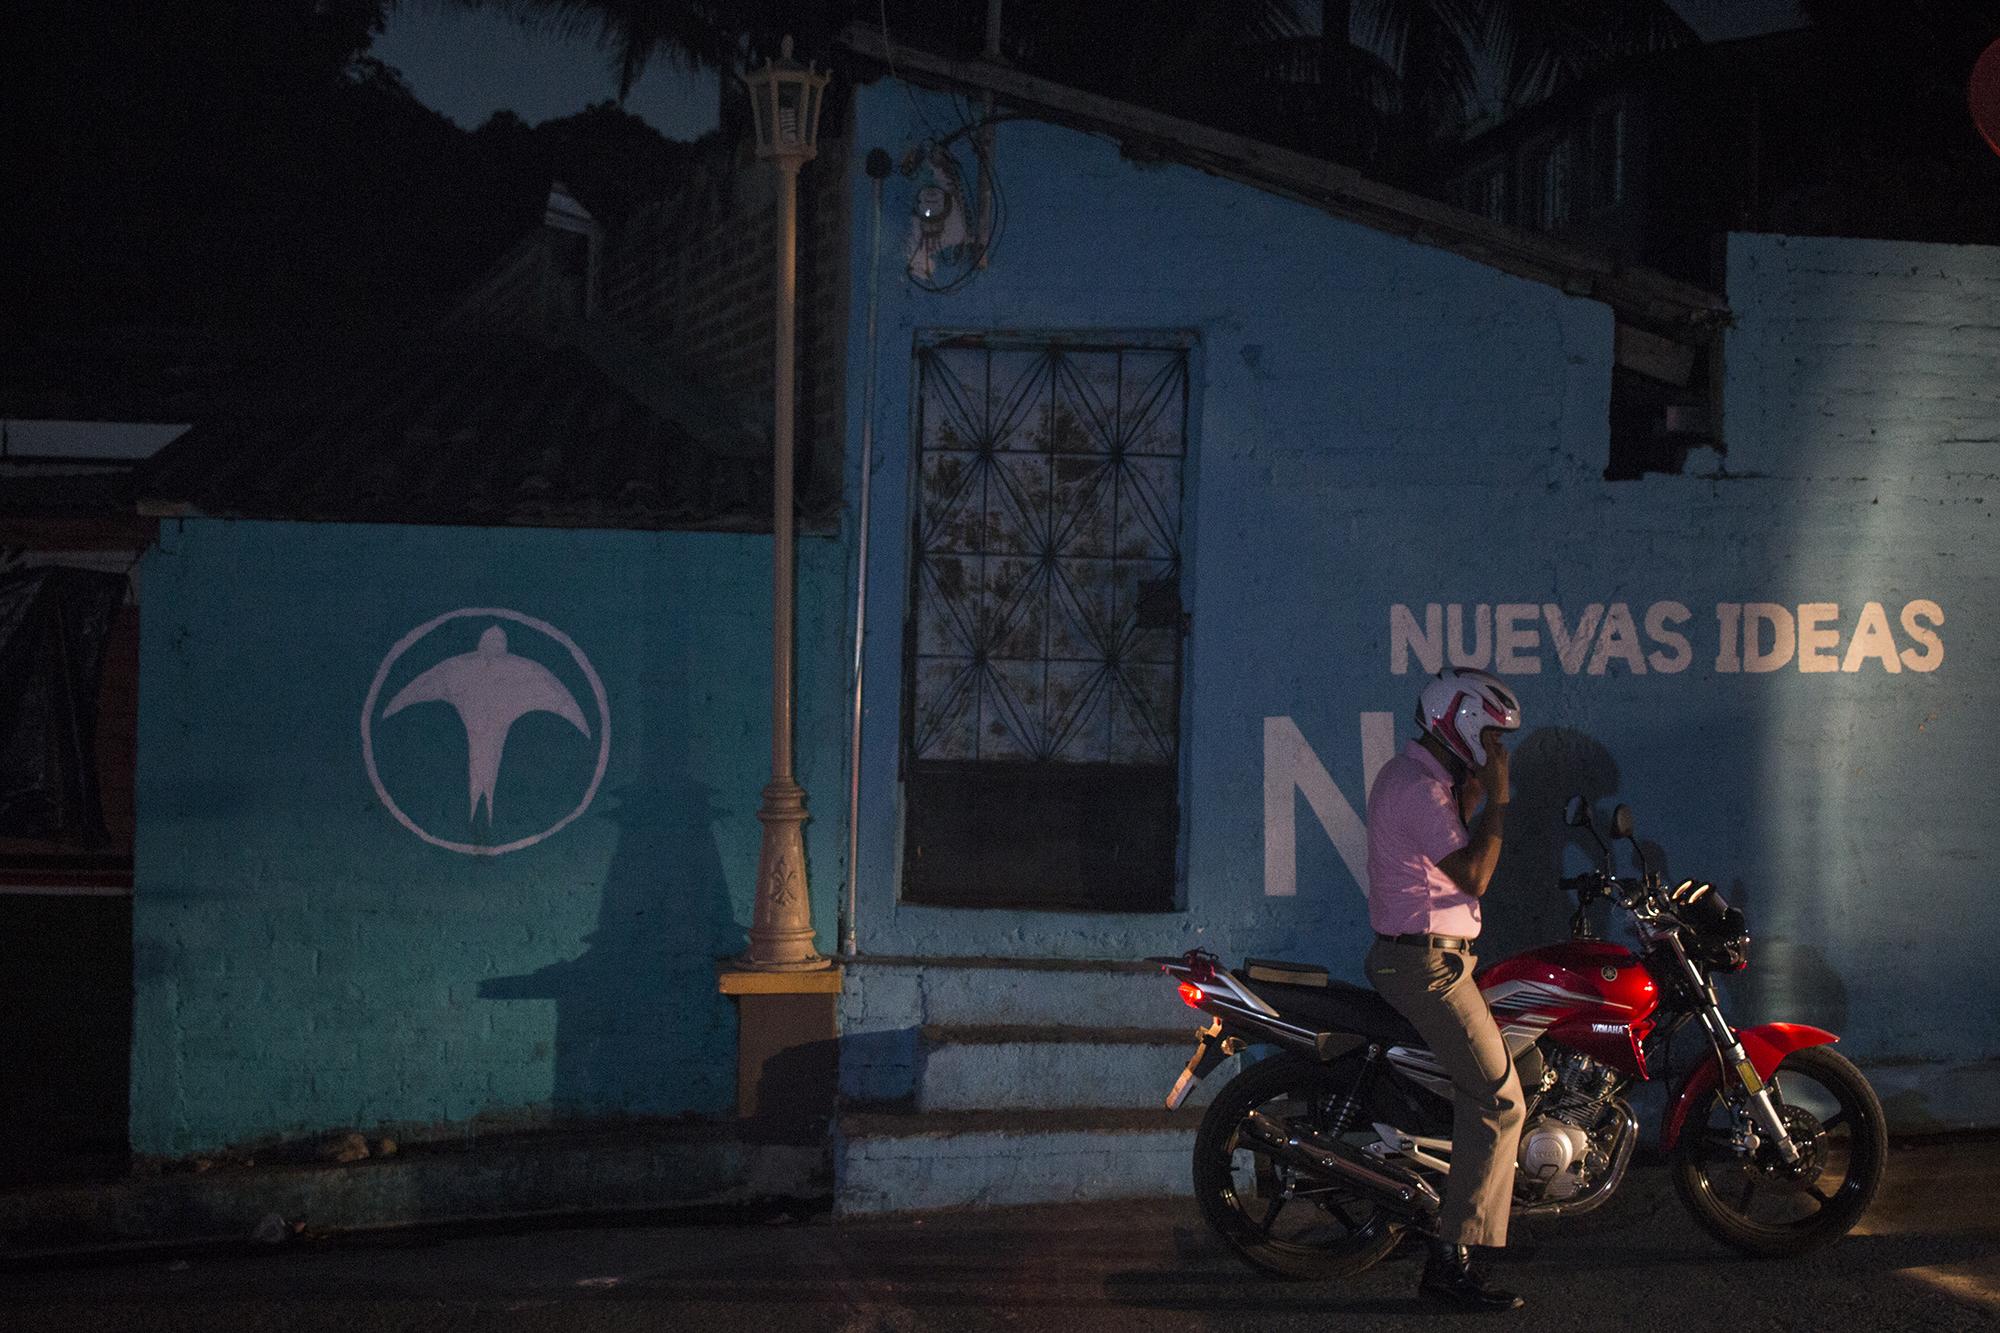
(491,688)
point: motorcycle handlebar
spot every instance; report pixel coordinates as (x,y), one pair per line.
(1592,882)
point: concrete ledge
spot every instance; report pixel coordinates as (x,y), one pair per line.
(937,1124)
(549,1174)
(819,981)
(992,961)
(1003,1034)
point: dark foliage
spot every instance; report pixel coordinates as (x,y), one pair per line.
(1894,151)
(241,163)
(1414,71)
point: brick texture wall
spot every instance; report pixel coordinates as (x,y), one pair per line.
(693,274)
(1864,359)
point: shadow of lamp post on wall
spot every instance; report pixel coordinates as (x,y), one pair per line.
(785,989)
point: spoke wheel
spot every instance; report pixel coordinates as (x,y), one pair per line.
(1760,1204)
(1276,1218)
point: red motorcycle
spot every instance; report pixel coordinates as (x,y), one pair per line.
(1313,1161)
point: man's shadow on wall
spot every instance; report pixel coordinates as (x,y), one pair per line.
(1788,978)
(1524,908)
(635,1008)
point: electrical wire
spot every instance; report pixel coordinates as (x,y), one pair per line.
(985,248)
(889,55)
(969,126)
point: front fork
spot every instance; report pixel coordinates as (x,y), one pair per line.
(1762,1108)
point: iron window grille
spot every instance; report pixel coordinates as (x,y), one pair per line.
(1043,645)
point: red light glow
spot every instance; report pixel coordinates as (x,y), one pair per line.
(1192,994)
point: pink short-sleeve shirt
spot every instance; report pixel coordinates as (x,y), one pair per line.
(1413,823)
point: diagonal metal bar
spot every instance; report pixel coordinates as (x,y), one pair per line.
(968,634)
(949,390)
(1034,524)
(1100,418)
(1149,508)
(994,686)
(1005,617)
(1139,708)
(1089,499)
(1072,721)
(941,709)
(1096,627)
(936,518)
(1019,397)
(1153,396)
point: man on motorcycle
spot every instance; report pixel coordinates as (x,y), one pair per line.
(1426,874)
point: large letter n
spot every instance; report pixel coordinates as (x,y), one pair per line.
(1290,765)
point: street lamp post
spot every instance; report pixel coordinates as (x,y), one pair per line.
(785,104)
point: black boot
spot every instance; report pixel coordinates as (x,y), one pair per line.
(1448,1277)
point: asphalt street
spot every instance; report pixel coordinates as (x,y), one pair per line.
(1927,1257)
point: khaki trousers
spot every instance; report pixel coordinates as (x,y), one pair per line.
(1433,988)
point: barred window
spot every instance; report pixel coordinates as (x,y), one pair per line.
(1557,187)
(1607,156)
(1043,648)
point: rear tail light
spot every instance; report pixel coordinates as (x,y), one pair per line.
(1191,993)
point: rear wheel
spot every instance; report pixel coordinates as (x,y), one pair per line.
(1763,1206)
(1276,1218)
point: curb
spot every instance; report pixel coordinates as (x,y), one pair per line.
(528,1181)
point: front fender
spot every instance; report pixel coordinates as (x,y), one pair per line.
(1766,1045)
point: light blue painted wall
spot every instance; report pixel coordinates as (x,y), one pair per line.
(1380,423)
(304,962)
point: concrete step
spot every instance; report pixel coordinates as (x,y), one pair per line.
(1047,1068)
(887,1003)
(1105,992)
(901,1163)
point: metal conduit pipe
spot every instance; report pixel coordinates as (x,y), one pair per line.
(878,170)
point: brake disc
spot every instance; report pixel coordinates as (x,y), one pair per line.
(1809,1137)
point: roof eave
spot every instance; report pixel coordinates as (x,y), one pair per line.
(1639,295)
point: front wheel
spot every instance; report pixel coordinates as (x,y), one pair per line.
(1275,1218)
(1761,1205)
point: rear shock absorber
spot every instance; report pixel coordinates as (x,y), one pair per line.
(1343,1119)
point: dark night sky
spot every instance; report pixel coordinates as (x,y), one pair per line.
(468,64)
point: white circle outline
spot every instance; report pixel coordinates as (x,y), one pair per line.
(403,645)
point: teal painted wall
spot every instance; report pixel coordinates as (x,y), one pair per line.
(1379,425)
(305,962)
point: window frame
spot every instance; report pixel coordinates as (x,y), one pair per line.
(1166,891)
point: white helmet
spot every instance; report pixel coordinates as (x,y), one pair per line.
(1460,704)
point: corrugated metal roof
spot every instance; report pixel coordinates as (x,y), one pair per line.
(581,427)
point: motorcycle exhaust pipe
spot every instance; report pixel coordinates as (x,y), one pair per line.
(1335,1161)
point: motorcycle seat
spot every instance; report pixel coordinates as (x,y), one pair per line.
(1332,1006)
(1290,974)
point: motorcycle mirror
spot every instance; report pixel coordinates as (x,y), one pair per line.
(1621,825)
(1577,815)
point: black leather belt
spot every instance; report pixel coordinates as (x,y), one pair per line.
(1428,941)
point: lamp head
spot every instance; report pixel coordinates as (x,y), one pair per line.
(784,104)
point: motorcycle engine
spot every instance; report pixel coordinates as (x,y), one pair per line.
(1557,1157)
(1554,1155)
